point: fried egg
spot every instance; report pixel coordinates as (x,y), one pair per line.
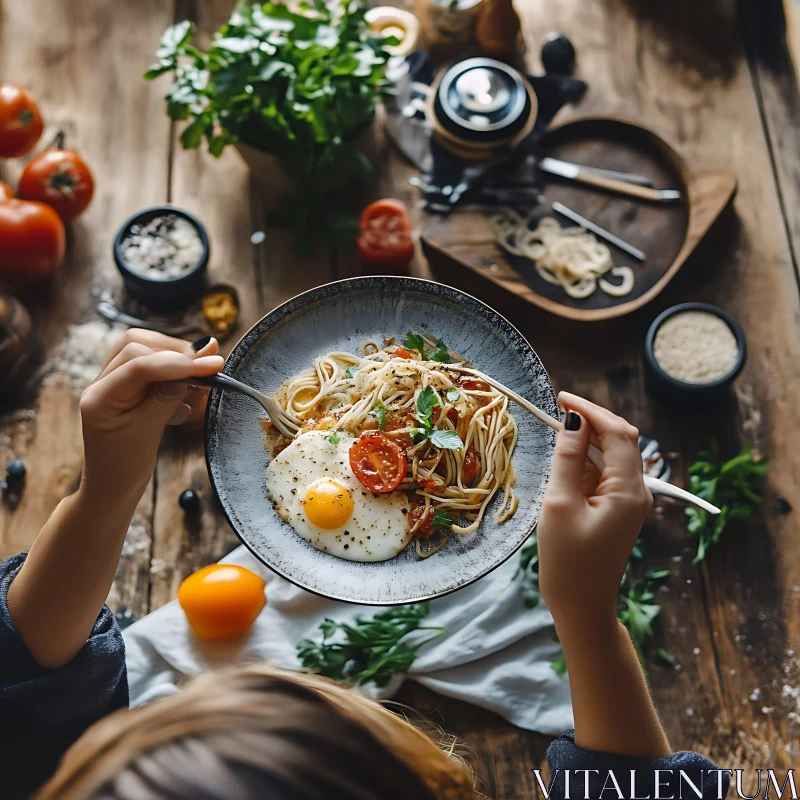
(313,488)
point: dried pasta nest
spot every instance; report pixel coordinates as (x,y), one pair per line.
(571,258)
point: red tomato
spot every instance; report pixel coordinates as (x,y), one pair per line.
(32,241)
(5,191)
(427,483)
(378,462)
(401,352)
(452,415)
(471,385)
(397,420)
(20,121)
(472,463)
(385,239)
(61,179)
(416,513)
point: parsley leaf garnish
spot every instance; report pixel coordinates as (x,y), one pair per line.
(334,438)
(442,519)
(414,341)
(369,650)
(446,440)
(441,354)
(427,400)
(379,411)
(350,372)
(453,395)
(732,485)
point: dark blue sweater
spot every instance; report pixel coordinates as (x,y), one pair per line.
(42,712)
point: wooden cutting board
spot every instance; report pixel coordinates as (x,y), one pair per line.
(668,234)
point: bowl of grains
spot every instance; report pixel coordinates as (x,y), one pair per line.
(162,253)
(694,351)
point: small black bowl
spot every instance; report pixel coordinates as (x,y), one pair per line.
(691,394)
(169,293)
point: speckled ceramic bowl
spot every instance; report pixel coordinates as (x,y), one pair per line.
(339,316)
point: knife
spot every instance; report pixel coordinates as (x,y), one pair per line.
(590,177)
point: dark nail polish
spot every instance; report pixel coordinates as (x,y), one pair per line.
(200,344)
(572,422)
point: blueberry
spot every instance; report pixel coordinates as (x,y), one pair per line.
(783,506)
(15,470)
(190,502)
(558,54)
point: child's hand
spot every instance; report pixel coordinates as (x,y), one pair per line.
(589,521)
(125,410)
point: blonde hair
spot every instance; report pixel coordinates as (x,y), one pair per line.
(259,731)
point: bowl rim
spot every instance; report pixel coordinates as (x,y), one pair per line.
(282,309)
(130,274)
(696,388)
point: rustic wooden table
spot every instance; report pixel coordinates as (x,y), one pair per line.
(716,79)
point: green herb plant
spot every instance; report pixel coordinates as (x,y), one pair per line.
(370,650)
(298,84)
(731,485)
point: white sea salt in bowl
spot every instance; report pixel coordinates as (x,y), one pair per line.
(162,254)
(694,351)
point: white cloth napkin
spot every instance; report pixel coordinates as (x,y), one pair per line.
(494,652)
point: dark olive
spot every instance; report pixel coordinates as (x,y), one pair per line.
(190,502)
(558,54)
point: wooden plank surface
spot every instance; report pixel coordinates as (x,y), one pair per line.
(699,73)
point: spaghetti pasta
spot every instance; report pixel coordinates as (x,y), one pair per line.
(380,390)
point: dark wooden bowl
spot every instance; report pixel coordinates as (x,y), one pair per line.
(668,234)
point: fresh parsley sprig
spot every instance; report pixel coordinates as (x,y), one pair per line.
(427,401)
(369,650)
(732,485)
(350,372)
(441,519)
(414,341)
(635,607)
(379,412)
(334,438)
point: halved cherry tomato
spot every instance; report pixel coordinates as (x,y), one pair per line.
(417,513)
(20,121)
(427,483)
(222,601)
(32,241)
(472,385)
(61,179)
(401,352)
(378,462)
(397,420)
(452,415)
(472,463)
(5,191)
(385,239)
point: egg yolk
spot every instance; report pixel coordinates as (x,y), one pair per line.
(328,504)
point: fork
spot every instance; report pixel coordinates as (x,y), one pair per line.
(595,455)
(286,424)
